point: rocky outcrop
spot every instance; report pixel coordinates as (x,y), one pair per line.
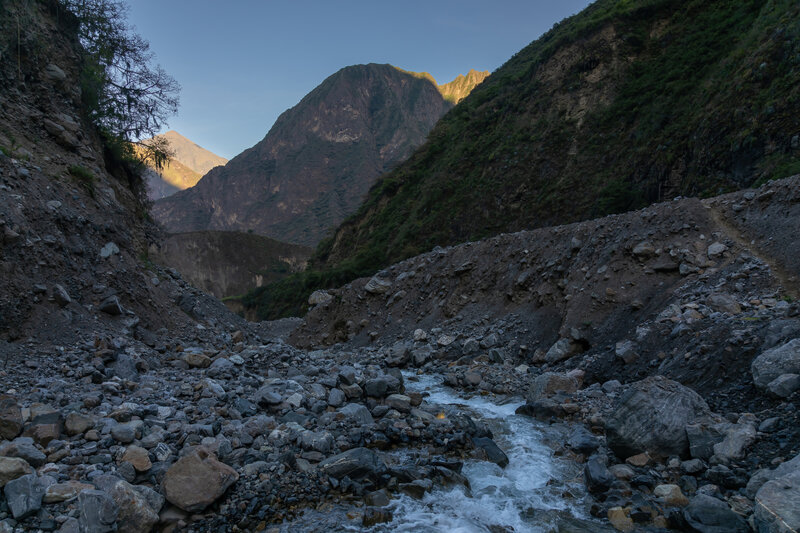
(318,160)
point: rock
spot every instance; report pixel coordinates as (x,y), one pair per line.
(61,296)
(597,476)
(644,250)
(738,437)
(123,433)
(356,463)
(619,519)
(97,512)
(336,397)
(377,498)
(702,438)
(626,351)
(709,515)
(54,73)
(196,480)
(378,285)
(784,385)
(762,476)
(716,250)
(671,495)
(125,368)
(581,441)
(561,350)
(24,495)
(12,468)
(10,417)
(651,416)
(138,458)
(108,250)
(420,335)
(775,362)
(777,505)
(373,516)
(24,448)
(320,441)
(724,303)
(77,424)
(492,451)
(357,414)
(111,306)
(61,492)
(137,506)
(197,360)
(549,383)
(399,355)
(400,402)
(319,297)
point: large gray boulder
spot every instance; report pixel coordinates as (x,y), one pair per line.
(652,415)
(775,362)
(24,495)
(777,505)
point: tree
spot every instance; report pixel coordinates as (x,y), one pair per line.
(127,97)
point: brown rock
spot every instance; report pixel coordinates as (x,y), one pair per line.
(10,417)
(11,468)
(619,519)
(640,459)
(43,433)
(195,481)
(61,492)
(197,360)
(138,457)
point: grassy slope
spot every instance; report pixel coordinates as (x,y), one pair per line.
(706,103)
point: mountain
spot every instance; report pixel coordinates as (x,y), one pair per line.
(624,104)
(229,263)
(459,88)
(318,160)
(184,170)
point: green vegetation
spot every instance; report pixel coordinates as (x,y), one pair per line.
(83,177)
(625,104)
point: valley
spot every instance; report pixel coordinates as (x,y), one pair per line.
(533,310)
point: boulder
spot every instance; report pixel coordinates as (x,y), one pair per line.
(24,448)
(24,495)
(357,413)
(197,360)
(597,476)
(195,481)
(651,416)
(378,285)
(400,402)
(77,424)
(12,468)
(777,505)
(710,515)
(547,384)
(356,463)
(138,458)
(61,492)
(319,297)
(97,512)
(773,363)
(137,507)
(561,350)
(784,385)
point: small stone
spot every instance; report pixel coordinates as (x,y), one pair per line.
(641,459)
(61,492)
(10,417)
(716,250)
(61,296)
(319,297)
(784,385)
(399,402)
(671,495)
(123,433)
(111,306)
(197,360)
(77,424)
(108,250)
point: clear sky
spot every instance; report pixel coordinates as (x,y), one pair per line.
(241,63)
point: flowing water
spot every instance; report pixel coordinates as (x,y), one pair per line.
(536,492)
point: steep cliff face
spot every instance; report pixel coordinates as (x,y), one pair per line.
(318,161)
(229,263)
(73,230)
(184,170)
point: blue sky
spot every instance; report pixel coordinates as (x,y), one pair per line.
(241,63)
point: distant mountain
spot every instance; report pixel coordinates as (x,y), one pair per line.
(320,158)
(459,88)
(184,170)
